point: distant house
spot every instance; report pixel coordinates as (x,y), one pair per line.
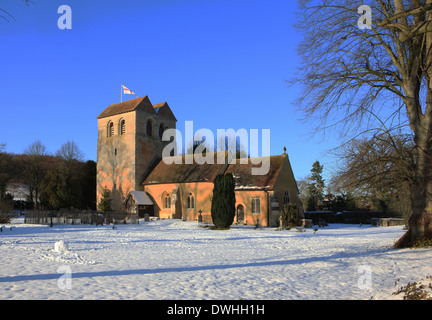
(130,165)
(19,191)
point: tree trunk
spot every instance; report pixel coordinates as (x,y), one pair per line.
(420,222)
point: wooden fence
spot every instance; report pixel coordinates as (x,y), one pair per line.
(74,218)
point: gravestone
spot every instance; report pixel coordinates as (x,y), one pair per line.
(99,220)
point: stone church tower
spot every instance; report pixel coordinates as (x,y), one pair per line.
(129,145)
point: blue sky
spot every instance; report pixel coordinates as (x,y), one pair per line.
(220,63)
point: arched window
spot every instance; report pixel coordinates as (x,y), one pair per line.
(149,128)
(286,197)
(256,205)
(110,129)
(166,200)
(190,201)
(161,130)
(122,126)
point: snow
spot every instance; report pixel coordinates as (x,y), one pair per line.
(60,246)
(173,259)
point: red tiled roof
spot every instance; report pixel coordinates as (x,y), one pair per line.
(158,105)
(244,179)
(182,173)
(164,110)
(126,106)
(142,103)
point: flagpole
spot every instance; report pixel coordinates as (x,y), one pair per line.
(128,91)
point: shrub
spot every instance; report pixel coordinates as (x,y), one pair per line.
(422,243)
(416,291)
(290,216)
(4,218)
(223,203)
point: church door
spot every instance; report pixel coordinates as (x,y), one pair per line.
(176,204)
(240,214)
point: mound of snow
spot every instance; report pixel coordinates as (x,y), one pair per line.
(60,246)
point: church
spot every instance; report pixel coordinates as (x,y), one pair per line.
(130,166)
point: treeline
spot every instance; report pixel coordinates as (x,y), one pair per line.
(372,173)
(62,180)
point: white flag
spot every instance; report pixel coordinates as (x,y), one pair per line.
(126,90)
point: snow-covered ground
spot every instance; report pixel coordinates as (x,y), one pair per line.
(172,259)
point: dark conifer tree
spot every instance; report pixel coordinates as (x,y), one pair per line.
(223,203)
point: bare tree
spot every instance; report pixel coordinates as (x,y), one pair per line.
(66,174)
(232,143)
(5,176)
(35,169)
(360,79)
(203,145)
(377,170)
(69,152)
(5,15)
(302,184)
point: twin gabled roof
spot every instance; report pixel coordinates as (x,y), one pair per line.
(142,104)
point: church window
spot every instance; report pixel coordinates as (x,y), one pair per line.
(110,129)
(149,128)
(256,205)
(190,201)
(122,127)
(161,130)
(286,197)
(166,200)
